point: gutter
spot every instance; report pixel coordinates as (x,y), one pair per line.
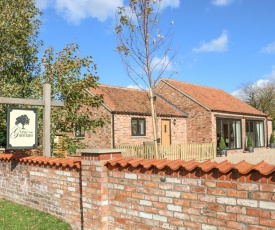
(113,129)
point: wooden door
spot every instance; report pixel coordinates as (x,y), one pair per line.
(165,132)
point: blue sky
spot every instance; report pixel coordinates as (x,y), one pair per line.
(221,43)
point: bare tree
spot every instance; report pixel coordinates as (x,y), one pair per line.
(261,96)
(143,47)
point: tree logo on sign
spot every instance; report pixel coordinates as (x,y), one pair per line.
(23,119)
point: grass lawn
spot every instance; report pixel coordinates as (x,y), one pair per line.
(16,217)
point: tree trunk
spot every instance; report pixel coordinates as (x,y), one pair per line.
(154,123)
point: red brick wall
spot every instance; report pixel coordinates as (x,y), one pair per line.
(189,200)
(53,190)
(199,125)
(123,130)
(137,198)
(102,137)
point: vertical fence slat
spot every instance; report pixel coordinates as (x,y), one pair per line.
(187,152)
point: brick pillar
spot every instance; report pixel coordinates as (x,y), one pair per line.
(95,199)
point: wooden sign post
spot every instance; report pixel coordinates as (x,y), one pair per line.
(47,104)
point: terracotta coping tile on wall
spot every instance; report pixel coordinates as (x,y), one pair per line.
(65,162)
(224,167)
(135,162)
(115,161)
(161,164)
(174,165)
(149,163)
(192,166)
(264,168)
(243,167)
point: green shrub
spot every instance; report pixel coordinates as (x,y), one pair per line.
(272,139)
(249,141)
(222,145)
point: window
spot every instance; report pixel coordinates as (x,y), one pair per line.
(79,132)
(231,131)
(138,126)
(256,131)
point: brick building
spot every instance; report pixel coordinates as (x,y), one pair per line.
(129,118)
(187,113)
(213,112)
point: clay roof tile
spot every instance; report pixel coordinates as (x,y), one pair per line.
(134,101)
(207,96)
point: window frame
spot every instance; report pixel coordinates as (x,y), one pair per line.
(229,121)
(138,120)
(251,128)
(82,132)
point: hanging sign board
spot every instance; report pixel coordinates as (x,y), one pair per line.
(21,128)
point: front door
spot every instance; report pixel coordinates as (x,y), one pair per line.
(165,132)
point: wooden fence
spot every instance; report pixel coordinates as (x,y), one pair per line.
(187,152)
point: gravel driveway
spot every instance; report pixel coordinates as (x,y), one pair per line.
(267,155)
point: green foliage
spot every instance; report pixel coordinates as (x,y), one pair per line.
(249,141)
(19,26)
(15,216)
(3,138)
(222,145)
(70,76)
(272,139)
(19,46)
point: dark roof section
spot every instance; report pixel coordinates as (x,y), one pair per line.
(213,99)
(224,167)
(133,101)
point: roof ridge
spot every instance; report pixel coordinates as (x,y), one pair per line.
(120,87)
